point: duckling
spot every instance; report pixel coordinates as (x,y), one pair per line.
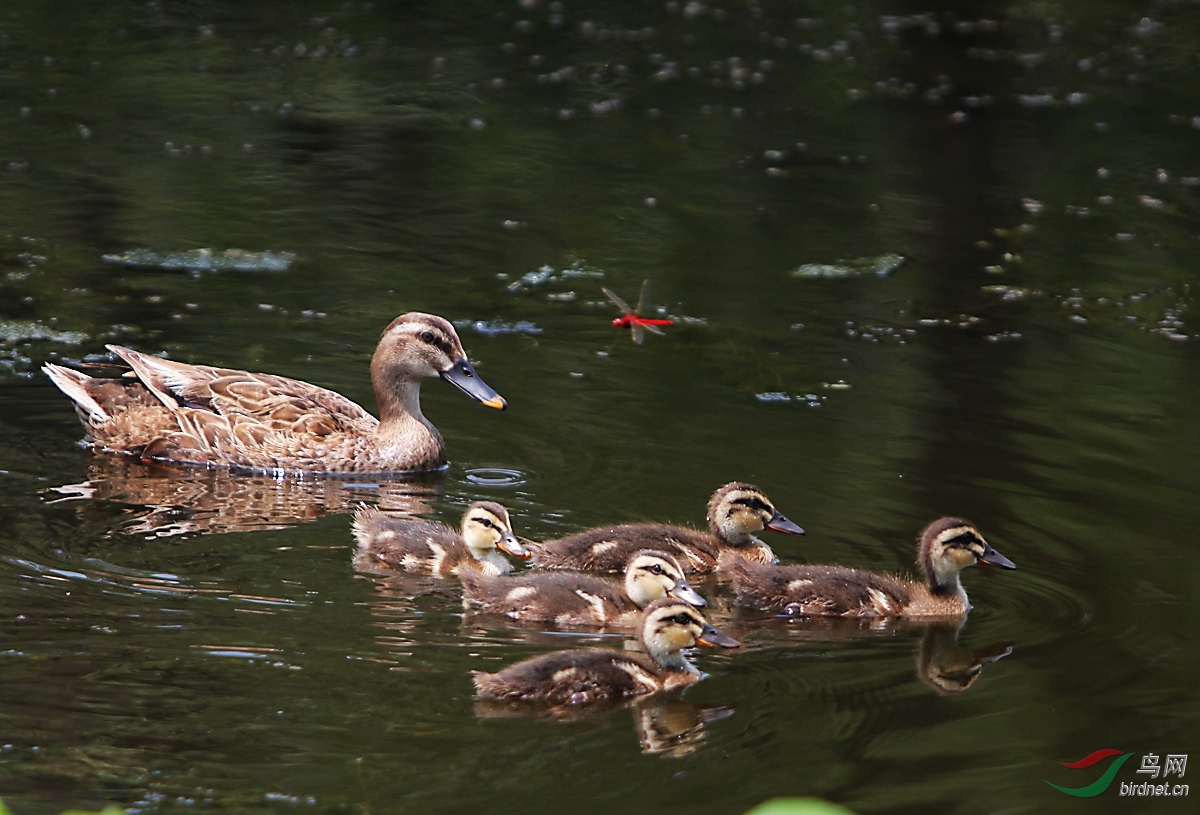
(428,547)
(219,417)
(589,675)
(946,547)
(571,598)
(735,512)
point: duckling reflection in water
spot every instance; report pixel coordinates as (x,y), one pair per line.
(946,547)
(735,512)
(222,417)
(573,598)
(948,668)
(428,547)
(665,726)
(598,674)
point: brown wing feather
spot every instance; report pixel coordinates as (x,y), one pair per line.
(409,544)
(226,391)
(554,596)
(573,677)
(588,551)
(819,590)
(236,418)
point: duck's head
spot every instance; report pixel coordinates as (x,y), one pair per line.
(737,511)
(485,528)
(669,626)
(416,346)
(949,545)
(652,575)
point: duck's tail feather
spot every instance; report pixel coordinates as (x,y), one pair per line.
(74,384)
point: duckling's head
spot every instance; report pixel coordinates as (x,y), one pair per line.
(949,545)
(416,346)
(669,626)
(737,511)
(652,575)
(485,528)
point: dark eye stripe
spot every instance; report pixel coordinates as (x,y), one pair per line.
(752,503)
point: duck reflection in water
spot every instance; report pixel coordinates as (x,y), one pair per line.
(162,501)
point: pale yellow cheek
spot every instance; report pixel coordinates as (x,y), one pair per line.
(680,638)
(961,557)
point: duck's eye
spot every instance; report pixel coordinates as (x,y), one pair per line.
(656,569)
(682,619)
(485,522)
(427,336)
(965,539)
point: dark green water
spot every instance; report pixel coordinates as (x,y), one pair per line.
(195,642)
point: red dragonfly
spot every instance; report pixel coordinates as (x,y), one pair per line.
(633,318)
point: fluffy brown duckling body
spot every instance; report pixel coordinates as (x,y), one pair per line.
(946,547)
(735,512)
(221,417)
(596,674)
(428,547)
(574,599)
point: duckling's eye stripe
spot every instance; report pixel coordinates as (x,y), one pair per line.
(750,503)
(484,521)
(957,537)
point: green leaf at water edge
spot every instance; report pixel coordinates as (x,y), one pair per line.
(798,806)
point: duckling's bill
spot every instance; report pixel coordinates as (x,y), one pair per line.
(779,523)
(684,591)
(712,638)
(463,376)
(509,544)
(993,558)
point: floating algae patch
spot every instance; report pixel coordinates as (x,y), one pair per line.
(878,266)
(14,331)
(198,261)
(578,270)
(496,328)
(19,333)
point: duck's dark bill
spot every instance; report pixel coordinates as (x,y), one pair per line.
(462,375)
(510,545)
(993,558)
(712,638)
(778,523)
(684,592)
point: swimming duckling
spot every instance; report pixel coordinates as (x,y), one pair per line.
(428,547)
(735,512)
(947,546)
(572,598)
(219,417)
(594,674)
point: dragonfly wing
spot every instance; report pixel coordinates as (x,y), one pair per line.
(655,329)
(621,304)
(641,309)
(638,335)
